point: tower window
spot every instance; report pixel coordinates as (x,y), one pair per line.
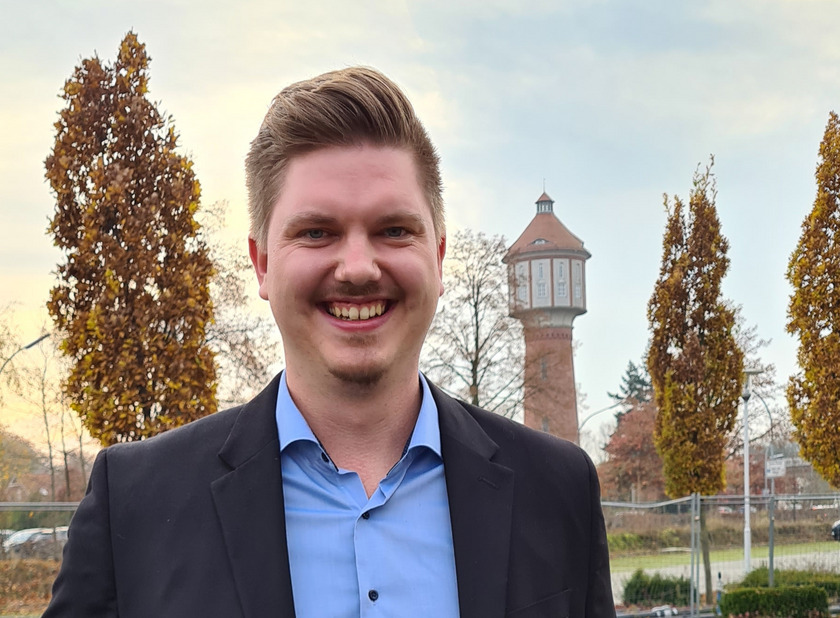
(543,369)
(545,425)
(542,291)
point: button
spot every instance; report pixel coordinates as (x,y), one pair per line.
(366,515)
(324,457)
(373,595)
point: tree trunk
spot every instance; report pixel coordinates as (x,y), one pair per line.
(705,538)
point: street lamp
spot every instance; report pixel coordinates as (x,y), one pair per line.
(747,533)
(26,347)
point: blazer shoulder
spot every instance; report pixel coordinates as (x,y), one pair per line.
(209,431)
(514,441)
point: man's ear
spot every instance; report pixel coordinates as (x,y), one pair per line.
(259,259)
(440,253)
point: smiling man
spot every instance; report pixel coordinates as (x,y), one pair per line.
(350,486)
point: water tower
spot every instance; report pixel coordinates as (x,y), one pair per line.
(547,272)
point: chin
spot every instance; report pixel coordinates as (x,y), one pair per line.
(358,376)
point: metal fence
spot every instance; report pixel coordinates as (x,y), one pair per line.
(664,539)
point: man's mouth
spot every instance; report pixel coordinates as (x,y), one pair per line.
(353,312)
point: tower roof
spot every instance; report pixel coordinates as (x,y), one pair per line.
(546,233)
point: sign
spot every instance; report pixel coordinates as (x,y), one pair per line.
(774,468)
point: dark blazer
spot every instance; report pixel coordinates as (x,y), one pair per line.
(191,523)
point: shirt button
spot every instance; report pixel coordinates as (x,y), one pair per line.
(366,515)
(324,457)
(373,595)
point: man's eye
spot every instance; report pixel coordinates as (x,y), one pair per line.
(314,234)
(394,232)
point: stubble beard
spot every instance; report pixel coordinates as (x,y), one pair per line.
(364,375)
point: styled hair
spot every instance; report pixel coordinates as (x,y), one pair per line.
(349,107)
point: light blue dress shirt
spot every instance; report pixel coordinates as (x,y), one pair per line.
(351,556)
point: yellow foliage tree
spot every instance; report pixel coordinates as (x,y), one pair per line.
(695,365)
(132,299)
(814,317)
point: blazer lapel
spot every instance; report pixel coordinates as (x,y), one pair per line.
(249,503)
(480,504)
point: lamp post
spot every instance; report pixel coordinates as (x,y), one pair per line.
(26,347)
(745,395)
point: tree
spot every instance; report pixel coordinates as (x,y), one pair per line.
(635,385)
(695,365)
(633,468)
(132,300)
(814,317)
(475,350)
(246,346)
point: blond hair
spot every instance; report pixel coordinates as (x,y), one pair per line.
(352,106)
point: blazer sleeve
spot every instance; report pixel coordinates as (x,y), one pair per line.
(85,585)
(599,599)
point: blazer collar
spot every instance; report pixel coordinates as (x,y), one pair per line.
(249,504)
(480,505)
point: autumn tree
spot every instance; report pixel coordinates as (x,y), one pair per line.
(132,300)
(695,365)
(475,351)
(814,317)
(633,468)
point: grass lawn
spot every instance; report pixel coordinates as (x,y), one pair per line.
(651,561)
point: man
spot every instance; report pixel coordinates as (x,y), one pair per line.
(350,486)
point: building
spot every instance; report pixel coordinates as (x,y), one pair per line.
(547,273)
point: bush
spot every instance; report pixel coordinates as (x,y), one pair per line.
(830,582)
(782,602)
(25,585)
(649,590)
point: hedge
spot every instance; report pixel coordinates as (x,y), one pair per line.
(648,590)
(830,582)
(782,602)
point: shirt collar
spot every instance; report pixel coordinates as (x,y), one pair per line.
(291,426)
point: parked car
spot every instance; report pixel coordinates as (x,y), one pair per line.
(38,543)
(664,610)
(835,530)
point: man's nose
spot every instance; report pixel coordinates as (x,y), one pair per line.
(357,262)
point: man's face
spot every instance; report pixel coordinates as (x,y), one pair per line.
(351,267)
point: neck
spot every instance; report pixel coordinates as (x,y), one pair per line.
(364,428)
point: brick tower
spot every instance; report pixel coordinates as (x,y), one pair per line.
(547,271)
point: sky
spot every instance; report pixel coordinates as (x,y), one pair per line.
(607,104)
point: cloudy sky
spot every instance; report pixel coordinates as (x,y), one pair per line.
(610,103)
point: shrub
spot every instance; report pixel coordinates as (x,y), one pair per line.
(782,602)
(648,590)
(830,582)
(25,585)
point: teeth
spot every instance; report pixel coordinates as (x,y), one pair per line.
(357,312)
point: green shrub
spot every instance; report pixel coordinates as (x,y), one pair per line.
(782,602)
(648,590)
(830,582)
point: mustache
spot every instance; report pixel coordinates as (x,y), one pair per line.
(351,290)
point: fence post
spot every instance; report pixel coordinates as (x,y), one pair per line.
(772,523)
(695,557)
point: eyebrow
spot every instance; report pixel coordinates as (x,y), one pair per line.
(317,219)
